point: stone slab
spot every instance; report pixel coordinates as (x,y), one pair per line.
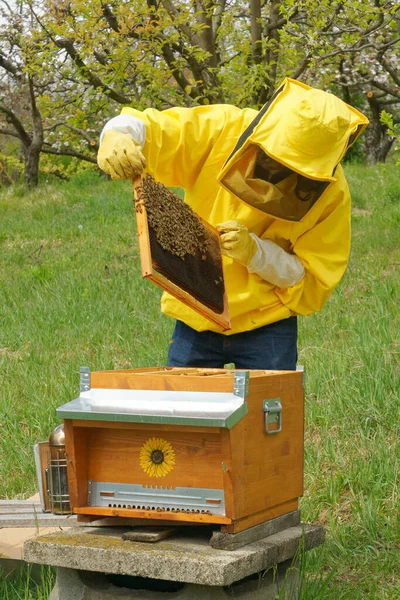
(189,559)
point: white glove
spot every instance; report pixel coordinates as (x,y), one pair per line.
(273,264)
(127,124)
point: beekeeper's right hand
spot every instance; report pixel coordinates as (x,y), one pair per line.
(120,155)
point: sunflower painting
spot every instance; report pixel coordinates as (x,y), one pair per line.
(157,457)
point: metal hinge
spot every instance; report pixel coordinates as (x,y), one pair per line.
(241,383)
(273,414)
(84,379)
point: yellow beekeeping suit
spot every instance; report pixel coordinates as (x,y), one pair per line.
(210,152)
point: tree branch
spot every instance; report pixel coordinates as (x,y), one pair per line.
(389,69)
(37,125)
(8,65)
(9,132)
(386,88)
(12,118)
(81,132)
(167,50)
(68,45)
(217,17)
(256,31)
(73,153)
(206,38)
(183,27)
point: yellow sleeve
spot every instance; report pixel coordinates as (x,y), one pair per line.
(324,251)
(179,140)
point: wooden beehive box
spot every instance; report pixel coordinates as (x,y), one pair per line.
(189,445)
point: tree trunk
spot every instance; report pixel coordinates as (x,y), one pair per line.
(377,141)
(32,157)
(34,148)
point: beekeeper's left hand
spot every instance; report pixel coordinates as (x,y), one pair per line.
(236,242)
(260,256)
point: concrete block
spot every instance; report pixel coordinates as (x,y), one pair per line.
(84,585)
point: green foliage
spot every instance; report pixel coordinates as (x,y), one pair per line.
(355,154)
(62,167)
(387,119)
(10,169)
(75,64)
(393,129)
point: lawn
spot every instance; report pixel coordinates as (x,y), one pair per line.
(71,294)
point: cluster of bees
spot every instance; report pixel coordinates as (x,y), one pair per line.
(177,228)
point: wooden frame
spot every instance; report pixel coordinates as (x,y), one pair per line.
(149,272)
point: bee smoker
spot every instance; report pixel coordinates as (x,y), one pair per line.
(56,473)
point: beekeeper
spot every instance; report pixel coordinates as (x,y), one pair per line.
(270,181)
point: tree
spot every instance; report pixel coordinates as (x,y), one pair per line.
(167,52)
(33,101)
(159,53)
(362,66)
(17,95)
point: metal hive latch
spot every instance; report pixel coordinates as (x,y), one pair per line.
(273,415)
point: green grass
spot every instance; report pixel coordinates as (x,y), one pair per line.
(71,295)
(25,585)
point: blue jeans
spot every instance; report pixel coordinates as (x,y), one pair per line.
(273,346)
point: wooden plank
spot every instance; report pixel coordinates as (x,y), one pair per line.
(29,513)
(149,534)
(149,271)
(165,380)
(143,426)
(20,510)
(264,515)
(143,235)
(96,521)
(37,520)
(153,515)
(226,456)
(113,456)
(16,504)
(76,440)
(222,319)
(233,541)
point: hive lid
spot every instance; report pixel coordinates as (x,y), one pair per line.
(208,409)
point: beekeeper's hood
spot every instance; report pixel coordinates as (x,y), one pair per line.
(304,129)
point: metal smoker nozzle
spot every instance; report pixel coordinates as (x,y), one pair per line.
(57,437)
